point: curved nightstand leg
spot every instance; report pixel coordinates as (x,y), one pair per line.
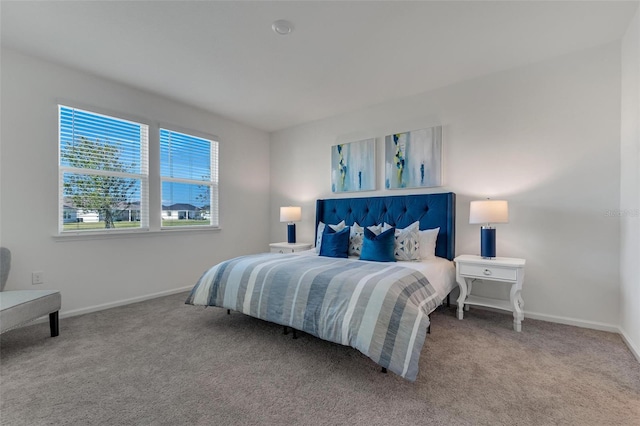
(517,303)
(469,283)
(463,296)
(521,303)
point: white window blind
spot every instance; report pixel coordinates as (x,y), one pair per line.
(103,170)
(189,175)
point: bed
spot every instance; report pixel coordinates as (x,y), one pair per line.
(381,309)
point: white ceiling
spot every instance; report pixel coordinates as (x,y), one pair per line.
(342,56)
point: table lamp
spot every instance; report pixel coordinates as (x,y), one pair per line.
(290,215)
(488,212)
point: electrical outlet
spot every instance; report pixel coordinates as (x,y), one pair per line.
(37,277)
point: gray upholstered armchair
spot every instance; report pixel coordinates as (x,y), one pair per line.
(21,306)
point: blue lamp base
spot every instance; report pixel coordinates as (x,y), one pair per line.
(487,242)
(291,233)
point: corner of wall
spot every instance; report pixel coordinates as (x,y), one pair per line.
(629,211)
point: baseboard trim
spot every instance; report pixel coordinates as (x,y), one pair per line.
(634,350)
(560,320)
(95,308)
(572,321)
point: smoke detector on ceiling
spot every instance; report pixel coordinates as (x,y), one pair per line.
(282,27)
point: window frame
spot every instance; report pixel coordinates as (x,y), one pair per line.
(213,183)
(143,176)
(153,180)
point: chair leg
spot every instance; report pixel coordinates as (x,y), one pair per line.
(53,324)
(228,311)
(384,370)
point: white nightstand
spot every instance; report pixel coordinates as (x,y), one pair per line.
(288,248)
(501,269)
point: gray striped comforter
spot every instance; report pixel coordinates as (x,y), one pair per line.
(381,309)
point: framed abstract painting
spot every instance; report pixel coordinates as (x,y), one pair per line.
(353,166)
(413,159)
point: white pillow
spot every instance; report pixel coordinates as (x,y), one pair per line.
(320,230)
(428,239)
(356,237)
(407,244)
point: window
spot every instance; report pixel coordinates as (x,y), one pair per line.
(104,176)
(103,172)
(189,175)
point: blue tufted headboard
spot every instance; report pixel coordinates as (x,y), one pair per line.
(432,210)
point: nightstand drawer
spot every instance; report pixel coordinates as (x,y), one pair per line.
(288,247)
(282,250)
(489,272)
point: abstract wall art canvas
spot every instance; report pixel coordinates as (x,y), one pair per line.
(353,166)
(413,159)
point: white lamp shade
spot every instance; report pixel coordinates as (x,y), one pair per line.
(290,214)
(489,211)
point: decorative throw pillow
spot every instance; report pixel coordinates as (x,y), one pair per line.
(407,241)
(378,248)
(357,236)
(428,239)
(335,243)
(320,230)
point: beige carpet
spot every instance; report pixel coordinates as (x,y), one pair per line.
(161,362)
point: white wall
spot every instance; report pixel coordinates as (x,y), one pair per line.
(630,187)
(107,271)
(545,137)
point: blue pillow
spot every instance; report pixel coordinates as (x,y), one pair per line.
(335,243)
(379,248)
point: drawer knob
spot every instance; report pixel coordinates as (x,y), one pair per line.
(487,272)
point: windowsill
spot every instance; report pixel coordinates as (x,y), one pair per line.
(99,235)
